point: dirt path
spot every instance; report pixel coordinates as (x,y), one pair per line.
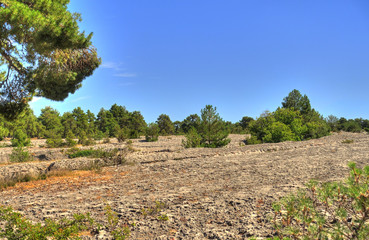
(208,193)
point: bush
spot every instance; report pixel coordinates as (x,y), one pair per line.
(69,140)
(3,133)
(93,153)
(20,139)
(193,139)
(333,210)
(20,155)
(252,140)
(85,140)
(122,134)
(54,140)
(152,132)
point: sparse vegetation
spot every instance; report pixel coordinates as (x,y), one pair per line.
(211,133)
(19,154)
(92,153)
(333,210)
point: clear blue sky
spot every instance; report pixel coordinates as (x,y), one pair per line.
(242,56)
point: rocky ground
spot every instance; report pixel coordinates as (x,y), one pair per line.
(205,193)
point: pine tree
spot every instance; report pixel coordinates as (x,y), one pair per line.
(43,52)
(212,129)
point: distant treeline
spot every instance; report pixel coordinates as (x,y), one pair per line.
(294,121)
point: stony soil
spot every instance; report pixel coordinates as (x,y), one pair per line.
(206,193)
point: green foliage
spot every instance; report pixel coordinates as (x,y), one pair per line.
(43,51)
(20,155)
(69,140)
(152,132)
(54,140)
(122,134)
(165,125)
(50,118)
(348,141)
(212,130)
(192,121)
(296,121)
(245,121)
(193,139)
(296,101)
(20,139)
(118,232)
(92,153)
(332,210)
(278,132)
(18,227)
(3,133)
(252,140)
(85,140)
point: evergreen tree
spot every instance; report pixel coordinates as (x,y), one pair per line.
(106,122)
(298,102)
(212,129)
(165,125)
(192,121)
(81,121)
(43,52)
(51,119)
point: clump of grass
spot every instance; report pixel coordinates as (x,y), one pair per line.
(155,211)
(348,141)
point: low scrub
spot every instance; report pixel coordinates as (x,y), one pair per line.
(333,210)
(92,153)
(17,226)
(20,155)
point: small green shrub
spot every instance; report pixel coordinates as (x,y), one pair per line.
(54,140)
(93,153)
(122,134)
(118,232)
(69,140)
(3,133)
(333,210)
(20,155)
(252,140)
(152,132)
(85,140)
(193,139)
(20,139)
(18,227)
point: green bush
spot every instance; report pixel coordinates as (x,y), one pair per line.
(20,139)
(333,210)
(93,153)
(252,140)
(3,133)
(54,140)
(69,140)
(212,131)
(122,134)
(20,155)
(152,132)
(193,139)
(85,140)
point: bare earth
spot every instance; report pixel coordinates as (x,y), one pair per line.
(208,193)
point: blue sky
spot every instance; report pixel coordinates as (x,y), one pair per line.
(242,56)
